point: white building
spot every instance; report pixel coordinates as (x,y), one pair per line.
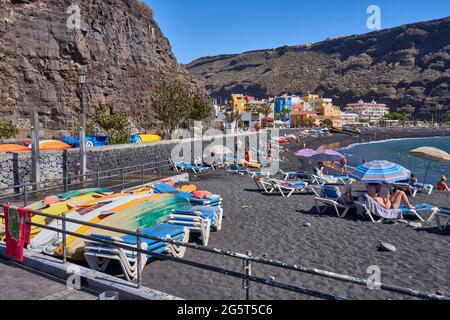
(349,118)
(366,111)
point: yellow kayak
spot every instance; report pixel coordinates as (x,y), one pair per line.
(116,218)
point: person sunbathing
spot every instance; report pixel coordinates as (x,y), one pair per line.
(347,196)
(442,184)
(387,200)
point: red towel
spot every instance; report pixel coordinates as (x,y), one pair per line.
(17,231)
(202,194)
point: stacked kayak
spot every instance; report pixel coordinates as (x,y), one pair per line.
(158,209)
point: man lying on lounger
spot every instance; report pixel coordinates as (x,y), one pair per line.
(385,199)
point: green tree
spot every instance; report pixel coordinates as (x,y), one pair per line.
(233,117)
(8,130)
(395,116)
(115,124)
(175,103)
(267,110)
(328,122)
(285,113)
(200,108)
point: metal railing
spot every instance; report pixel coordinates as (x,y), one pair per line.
(247,259)
(25,190)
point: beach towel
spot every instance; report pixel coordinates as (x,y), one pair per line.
(17,231)
(188,188)
(202,194)
(379,211)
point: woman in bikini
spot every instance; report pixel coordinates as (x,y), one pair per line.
(388,200)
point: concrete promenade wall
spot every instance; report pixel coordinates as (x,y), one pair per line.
(15,168)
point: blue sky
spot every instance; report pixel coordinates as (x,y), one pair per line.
(198,28)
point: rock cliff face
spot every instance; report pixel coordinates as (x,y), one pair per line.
(119,45)
(407,68)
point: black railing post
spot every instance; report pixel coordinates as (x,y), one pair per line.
(142,174)
(25,202)
(248,271)
(139,258)
(64,240)
(123,178)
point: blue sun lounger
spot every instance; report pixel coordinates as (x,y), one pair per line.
(368,206)
(414,189)
(215,200)
(442,216)
(332,197)
(99,255)
(200,219)
(288,188)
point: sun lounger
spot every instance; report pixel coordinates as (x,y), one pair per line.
(414,189)
(292,174)
(262,173)
(288,188)
(368,207)
(200,219)
(99,255)
(215,200)
(183,167)
(332,197)
(442,217)
(234,168)
(264,186)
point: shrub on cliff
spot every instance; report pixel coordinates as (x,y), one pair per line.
(175,104)
(8,130)
(115,124)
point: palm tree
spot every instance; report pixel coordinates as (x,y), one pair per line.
(267,110)
(285,113)
(233,116)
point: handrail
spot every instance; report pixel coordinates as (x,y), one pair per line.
(240,256)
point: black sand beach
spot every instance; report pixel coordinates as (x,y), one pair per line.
(275,227)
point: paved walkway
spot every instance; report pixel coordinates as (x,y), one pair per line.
(19,283)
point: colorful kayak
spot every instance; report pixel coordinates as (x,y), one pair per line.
(154,210)
(39,205)
(56,210)
(47,145)
(47,241)
(13,148)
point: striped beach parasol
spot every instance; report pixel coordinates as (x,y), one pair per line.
(380,171)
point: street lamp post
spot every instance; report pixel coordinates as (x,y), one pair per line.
(81,82)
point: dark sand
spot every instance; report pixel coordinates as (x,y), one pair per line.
(274,226)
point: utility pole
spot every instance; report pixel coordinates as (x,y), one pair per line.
(35,154)
(81,82)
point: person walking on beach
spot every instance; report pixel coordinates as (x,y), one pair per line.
(442,184)
(344,163)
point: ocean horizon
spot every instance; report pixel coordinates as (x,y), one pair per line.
(397,151)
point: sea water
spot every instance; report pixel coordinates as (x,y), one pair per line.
(398,151)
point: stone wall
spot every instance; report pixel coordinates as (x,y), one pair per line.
(57,165)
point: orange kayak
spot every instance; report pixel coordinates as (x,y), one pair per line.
(13,148)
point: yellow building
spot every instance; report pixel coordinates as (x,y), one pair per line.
(238,102)
(324,109)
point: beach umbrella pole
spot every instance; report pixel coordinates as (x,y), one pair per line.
(426,172)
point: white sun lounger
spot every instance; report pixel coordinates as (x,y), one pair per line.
(368,207)
(331,197)
(413,190)
(99,255)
